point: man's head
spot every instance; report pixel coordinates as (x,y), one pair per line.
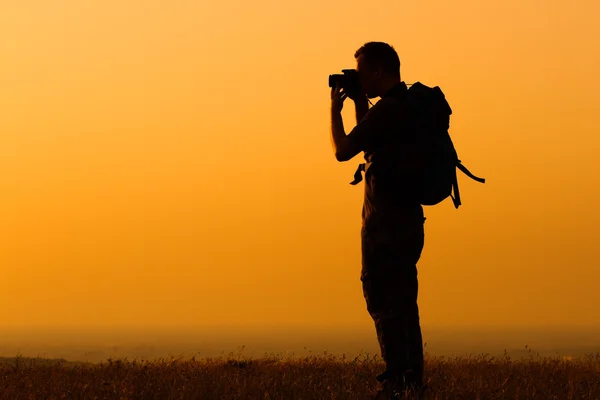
(378,66)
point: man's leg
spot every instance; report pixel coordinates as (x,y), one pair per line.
(390,288)
(391,302)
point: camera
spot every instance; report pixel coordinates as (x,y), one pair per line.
(349,81)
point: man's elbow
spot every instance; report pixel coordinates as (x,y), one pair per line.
(345,151)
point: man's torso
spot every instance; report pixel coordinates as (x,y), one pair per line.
(387,201)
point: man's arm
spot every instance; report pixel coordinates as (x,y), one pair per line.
(366,132)
(370,131)
(343,148)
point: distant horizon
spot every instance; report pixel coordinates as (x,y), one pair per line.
(302,326)
(94,345)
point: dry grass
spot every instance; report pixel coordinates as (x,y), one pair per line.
(316,377)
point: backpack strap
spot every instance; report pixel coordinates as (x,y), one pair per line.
(358,174)
(468,173)
(456,197)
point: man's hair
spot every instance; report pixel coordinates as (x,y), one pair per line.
(380,54)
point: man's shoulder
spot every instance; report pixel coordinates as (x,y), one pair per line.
(388,102)
(387,106)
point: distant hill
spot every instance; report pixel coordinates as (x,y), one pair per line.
(38,361)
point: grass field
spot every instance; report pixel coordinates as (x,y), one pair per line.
(315,377)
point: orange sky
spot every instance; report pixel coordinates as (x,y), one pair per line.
(169,163)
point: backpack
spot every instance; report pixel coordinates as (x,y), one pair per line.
(436,160)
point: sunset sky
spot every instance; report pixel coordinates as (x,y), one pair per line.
(169,163)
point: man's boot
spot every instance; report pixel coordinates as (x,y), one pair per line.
(392,386)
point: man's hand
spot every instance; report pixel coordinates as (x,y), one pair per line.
(338,95)
(361,104)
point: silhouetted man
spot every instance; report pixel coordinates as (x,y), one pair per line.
(392,233)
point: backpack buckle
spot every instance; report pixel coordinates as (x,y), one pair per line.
(358,174)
